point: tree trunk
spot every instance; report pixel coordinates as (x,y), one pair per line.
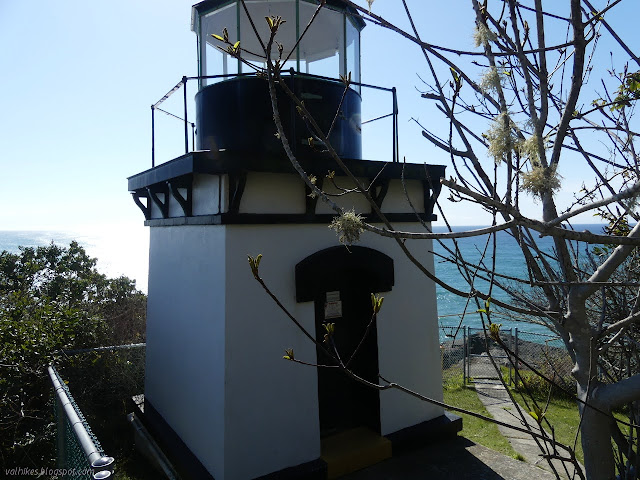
(596,436)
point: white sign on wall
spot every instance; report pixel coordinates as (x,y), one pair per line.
(333,306)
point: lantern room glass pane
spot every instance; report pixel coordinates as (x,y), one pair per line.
(259,9)
(353,52)
(329,48)
(212,60)
(322,47)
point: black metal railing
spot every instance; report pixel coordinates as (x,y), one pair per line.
(183,84)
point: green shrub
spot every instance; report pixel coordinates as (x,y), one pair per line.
(529,383)
(52,298)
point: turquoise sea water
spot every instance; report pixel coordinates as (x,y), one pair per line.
(125,252)
(509,261)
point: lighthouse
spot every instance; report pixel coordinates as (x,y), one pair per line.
(219,399)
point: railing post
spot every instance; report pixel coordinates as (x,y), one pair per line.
(186,122)
(153,136)
(395,124)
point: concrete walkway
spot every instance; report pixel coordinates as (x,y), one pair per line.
(455,459)
(497,402)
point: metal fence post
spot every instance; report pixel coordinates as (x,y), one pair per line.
(516,362)
(464,356)
(510,363)
(60,432)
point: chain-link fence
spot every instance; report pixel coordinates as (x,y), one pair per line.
(469,355)
(105,377)
(452,350)
(103,381)
(545,354)
(485,358)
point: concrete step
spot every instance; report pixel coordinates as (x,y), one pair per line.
(353,449)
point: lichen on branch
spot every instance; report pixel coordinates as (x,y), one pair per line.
(348,225)
(491,80)
(540,180)
(483,36)
(501,137)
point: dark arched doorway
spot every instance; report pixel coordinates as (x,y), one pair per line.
(340,282)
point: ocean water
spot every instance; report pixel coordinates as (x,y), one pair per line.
(124,251)
(509,261)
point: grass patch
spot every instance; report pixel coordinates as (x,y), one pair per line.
(477,430)
(563,414)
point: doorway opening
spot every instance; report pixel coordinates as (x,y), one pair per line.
(343,402)
(340,283)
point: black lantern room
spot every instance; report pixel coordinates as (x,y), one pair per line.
(233,108)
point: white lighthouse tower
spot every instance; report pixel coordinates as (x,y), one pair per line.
(219,398)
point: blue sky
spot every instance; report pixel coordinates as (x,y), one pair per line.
(79,78)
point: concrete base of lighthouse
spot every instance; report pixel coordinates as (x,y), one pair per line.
(180,460)
(215,372)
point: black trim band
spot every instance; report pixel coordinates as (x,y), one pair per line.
(275,219)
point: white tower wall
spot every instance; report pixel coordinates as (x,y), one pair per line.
(250,412)
(185,358)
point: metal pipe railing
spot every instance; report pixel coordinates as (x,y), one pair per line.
(395,124)
(186,129)
(101,465)
(185,79)
(153,137)
(108,348)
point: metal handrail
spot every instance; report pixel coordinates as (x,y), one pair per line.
(101,465)
(108,348)
(185,79)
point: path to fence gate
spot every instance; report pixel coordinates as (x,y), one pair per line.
(466,354)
